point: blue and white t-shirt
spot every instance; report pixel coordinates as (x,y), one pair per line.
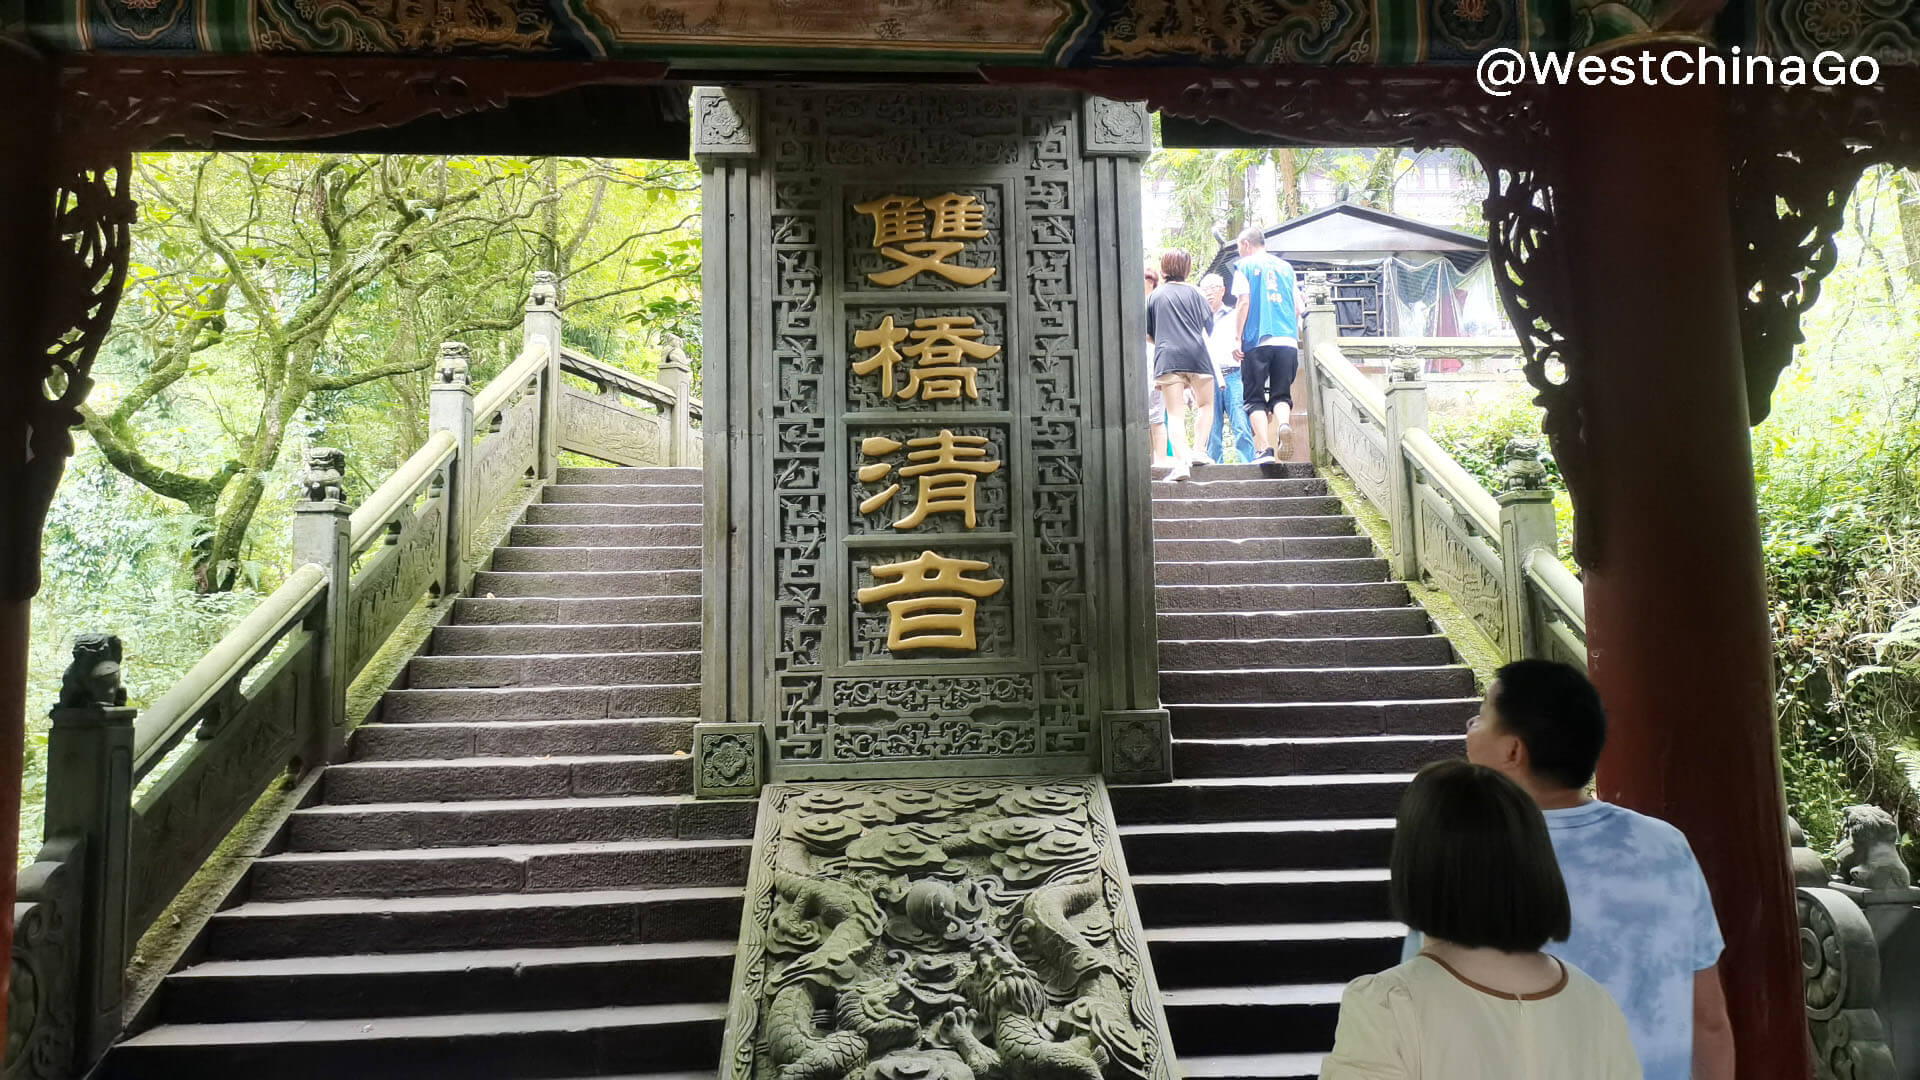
(1643,924)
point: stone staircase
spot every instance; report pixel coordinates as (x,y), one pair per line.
(510,877)
(1305,688)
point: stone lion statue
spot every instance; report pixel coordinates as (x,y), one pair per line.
(325,479)
(1869,857)
(94,676)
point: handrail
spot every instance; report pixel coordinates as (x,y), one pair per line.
(1446,346)
(1454,482)
(575,362)
(1558,586)
(1341,370)
(163,722)
(504,385)
(403,485)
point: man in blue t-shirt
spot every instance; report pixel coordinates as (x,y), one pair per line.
(1643,922)
(1269,335)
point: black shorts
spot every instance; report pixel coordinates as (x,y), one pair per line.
(1266,377)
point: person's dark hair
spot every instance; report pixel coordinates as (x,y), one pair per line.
(1175,265)
(1472,863)
(1556,712)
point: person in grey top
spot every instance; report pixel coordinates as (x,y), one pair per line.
(1178,322)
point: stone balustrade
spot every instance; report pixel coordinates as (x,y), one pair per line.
(136,804)
(1493,553)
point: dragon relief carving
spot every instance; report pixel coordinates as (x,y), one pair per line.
(940,930)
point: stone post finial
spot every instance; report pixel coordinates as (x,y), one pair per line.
(93,678)
(456,364)
(1404,364)
(673,353)
(326,475)
(545,294)
(1523,469)
(1319,290)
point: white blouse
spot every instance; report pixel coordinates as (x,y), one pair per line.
(1423,1021)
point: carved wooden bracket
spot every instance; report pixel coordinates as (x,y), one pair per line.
(110,104)
(1799,154)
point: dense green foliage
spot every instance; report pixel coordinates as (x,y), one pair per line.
(280,301)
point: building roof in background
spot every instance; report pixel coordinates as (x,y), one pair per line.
(1348,233)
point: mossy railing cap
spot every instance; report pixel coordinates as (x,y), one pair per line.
(169,718)
(504,385)
(416,472)
(1455,482)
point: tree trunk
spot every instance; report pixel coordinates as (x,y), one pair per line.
(1381,178)
(1286,186)
(1236,203)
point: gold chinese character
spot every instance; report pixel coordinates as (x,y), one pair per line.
(939,346)
(948,466)
(882,338)
(949,470)
(957,217)
(897,219)
(900,232)
(930,621)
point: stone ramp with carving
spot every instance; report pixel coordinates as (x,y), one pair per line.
(509,878)
(1305,688)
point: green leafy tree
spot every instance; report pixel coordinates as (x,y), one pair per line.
(276,293)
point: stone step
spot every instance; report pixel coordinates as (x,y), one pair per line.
(1292,470)
(1270,572)
(1314,684)
(549,559)
(506,1046)
(1262,506)
(563,669)
(1402,651)
(1308,718)
(1324,623)
(466,779)
(540,703)
(627,474)
(1281,597)
(604,535)
(1260,798)
(602,611)
(1257,845)
(1251,1066)
(1206,487)
(1287,756)
(259,931)
(477,980)
(550,640)
(1243,550)
(377,826)
(506,868)
(526,738)
(493,583)
(1261,527)
(1286,1019)
(1239,896)
(583,513)
(1190,957)
(622,494)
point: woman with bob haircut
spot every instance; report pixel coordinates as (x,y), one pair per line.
(1474,872)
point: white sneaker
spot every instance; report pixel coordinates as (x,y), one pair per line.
(1285,429)
(1180,471)
(1202,458)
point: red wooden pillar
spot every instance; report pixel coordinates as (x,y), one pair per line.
(26,230)
(1676,603)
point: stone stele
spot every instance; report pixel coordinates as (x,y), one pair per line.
(965,929)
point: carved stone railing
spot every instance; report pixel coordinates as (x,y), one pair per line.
(137,804)
(1860,952)
(1493,554)
(1482,359)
